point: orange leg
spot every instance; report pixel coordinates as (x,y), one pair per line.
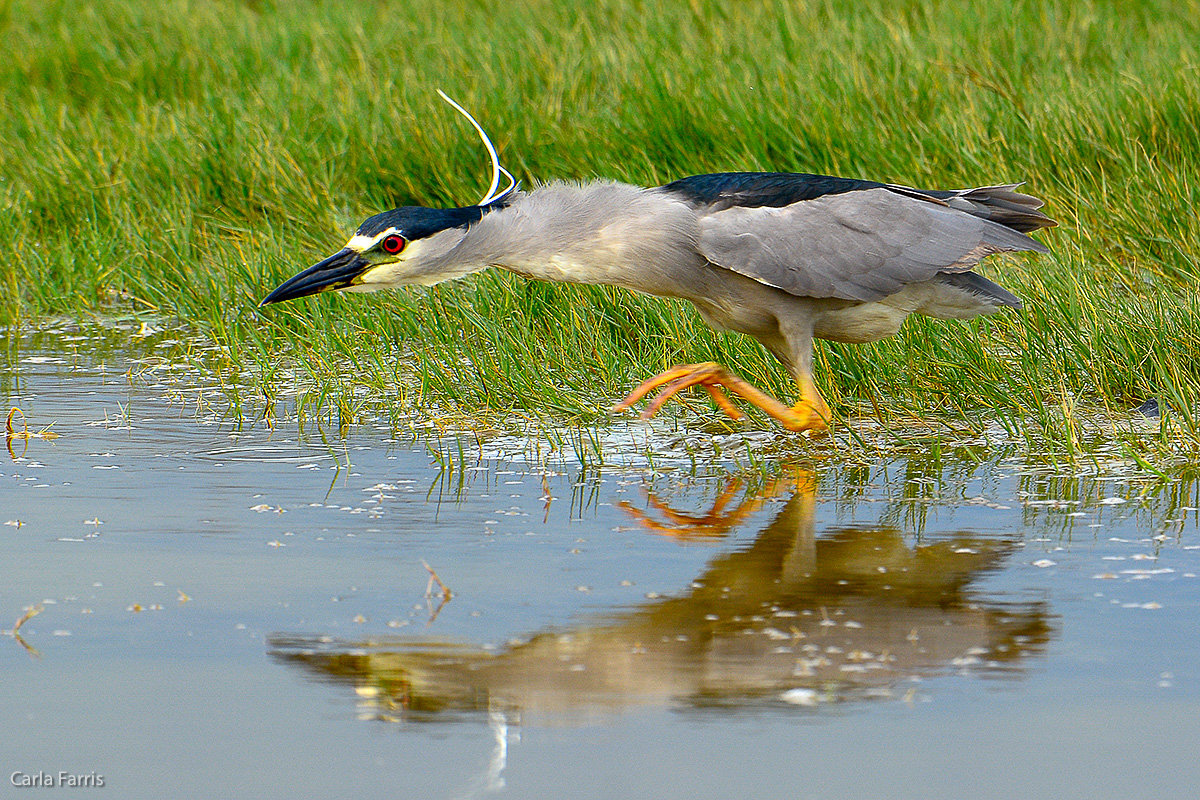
(809,413)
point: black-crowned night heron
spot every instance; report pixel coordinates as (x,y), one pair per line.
(784,258)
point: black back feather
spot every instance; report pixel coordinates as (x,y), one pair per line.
(724,190)
(762,189)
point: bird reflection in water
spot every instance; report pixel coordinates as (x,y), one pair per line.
(797,617)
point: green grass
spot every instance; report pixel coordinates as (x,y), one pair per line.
(181,158)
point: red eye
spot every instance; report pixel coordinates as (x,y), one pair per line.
(393,244)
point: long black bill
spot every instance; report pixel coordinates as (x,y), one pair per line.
(333,273)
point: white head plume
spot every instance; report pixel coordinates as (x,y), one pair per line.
(497,170)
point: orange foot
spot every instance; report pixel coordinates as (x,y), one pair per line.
(810,413)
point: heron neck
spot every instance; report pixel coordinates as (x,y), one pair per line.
(599,233)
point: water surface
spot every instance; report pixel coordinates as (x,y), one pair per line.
(244,609)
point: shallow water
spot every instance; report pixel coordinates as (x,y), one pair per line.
(239,610)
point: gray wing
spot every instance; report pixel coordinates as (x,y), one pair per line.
(858,245)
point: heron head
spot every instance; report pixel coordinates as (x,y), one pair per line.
(399,247)
(404,246)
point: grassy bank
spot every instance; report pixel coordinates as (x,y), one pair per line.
(181,158)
